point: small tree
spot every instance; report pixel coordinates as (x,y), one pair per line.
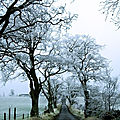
(95,100)
(110,92)
(72,90)
(56,89)
(48,71)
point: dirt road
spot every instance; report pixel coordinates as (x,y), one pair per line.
(65,114)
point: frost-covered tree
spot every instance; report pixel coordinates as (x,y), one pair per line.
(111,8)
(13,11)
(72,90)
(95,100)
(51,95)
(110,93)
(23,12)
(85,61)
(49,87)
(56,89)
(104,95)
(23,49)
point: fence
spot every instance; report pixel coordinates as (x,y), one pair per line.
(9,116)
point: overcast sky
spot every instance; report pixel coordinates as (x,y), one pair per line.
(91,22)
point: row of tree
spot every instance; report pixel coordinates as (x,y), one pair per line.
(26,27)
(33,48)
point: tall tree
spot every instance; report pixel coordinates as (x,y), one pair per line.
(110,92)
(22,48)
(85,62)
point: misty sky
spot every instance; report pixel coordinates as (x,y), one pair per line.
(91,22)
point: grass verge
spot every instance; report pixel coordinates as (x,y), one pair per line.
(77,112)
(46,116)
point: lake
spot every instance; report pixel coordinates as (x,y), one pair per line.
(22,104)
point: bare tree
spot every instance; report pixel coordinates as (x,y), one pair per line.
(25,39)
(95,100)
(110,92)
(111,8)
(49,71)
(23,12)
(13,10)
(86,62)
(56,89)
(72,90)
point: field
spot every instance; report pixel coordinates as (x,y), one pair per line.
(22,104)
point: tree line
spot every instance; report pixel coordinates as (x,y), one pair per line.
(34,46)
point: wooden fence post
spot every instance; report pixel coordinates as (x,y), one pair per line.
(23,116)
(9,113)
(14,113)
(4,116)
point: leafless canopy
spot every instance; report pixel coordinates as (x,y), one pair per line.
(26,27)
(111,8)
(18,14)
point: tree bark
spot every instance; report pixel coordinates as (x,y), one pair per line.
(50,100)
(35,100)
(50,107)
(70,102)
(109,103)
(86,110)
(55,102)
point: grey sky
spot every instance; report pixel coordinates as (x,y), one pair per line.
(92,22)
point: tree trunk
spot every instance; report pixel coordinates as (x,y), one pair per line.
(86,97)
(55,102)
(35,99)
(70,102)
(50,107)
(50,100)
(109,103)
(86,111)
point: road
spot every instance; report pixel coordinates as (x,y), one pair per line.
(65,114)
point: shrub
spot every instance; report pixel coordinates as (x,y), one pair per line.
(107,116)
(114,114)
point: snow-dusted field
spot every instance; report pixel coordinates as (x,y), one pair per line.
(22,104)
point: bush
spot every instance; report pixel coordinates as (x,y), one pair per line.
(114,114)
(107,116)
